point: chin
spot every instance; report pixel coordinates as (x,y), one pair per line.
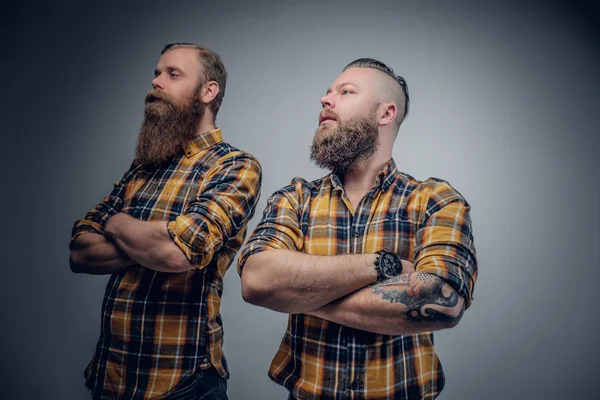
(157,108)
(324,128)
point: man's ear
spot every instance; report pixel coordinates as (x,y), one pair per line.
(389,114)
(209,91)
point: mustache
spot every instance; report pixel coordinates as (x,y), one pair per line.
(328,114)
(155,94)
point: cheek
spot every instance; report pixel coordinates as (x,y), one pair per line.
(181,95)
(348,111)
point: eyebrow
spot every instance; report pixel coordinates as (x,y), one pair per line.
(169,68)
(339,85)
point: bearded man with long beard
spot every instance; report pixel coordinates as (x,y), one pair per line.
(167,234)
(367,260)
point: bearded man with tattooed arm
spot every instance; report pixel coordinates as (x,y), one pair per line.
(367,260)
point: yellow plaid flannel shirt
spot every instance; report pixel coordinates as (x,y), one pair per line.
(426,222)
(158,328)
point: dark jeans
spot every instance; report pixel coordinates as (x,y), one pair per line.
(205,384)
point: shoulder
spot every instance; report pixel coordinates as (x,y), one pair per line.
(299,191)
(441,191)
(429,194)
(224,153)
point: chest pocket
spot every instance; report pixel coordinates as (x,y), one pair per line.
(161,199)
(391,229)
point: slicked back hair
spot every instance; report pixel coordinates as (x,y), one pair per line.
(378,65)
(212,67)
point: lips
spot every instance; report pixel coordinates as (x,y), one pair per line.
(156,95)
(327,116)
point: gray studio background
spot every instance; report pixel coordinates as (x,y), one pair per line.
(505,99)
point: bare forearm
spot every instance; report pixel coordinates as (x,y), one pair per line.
(94,254)
(407,304)
(294,282)
(147,242)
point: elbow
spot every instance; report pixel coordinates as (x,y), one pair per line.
(171,259)
(433,318)
(454,314)
(249,294)
(76,262)
(178,264)
(261,288)
(254,290)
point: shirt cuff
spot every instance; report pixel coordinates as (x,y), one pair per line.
(185,235)
(84,226)
(449,271)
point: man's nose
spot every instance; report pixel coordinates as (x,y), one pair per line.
(327,101)
(157,82)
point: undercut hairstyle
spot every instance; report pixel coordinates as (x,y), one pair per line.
(378,65)
(212,68)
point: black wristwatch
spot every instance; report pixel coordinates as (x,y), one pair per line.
(387,265)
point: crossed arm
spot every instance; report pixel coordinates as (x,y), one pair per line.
(93,253)
(409,303)
(293,282)
(126,242)
(225,201)
(344,290)
(430,295)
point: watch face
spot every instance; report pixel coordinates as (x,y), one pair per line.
(388,265)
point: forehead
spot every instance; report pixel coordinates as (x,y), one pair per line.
(183,58)
(363,78)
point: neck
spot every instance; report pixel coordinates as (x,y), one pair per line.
(206,124)
(362,177)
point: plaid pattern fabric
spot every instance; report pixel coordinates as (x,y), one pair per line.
(157,327)
(425,222)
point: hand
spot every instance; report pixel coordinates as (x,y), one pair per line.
(407,267)
(112,224)
(389,265)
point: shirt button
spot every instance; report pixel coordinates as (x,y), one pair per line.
(356,233)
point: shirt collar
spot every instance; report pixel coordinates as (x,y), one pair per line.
(387,175)
(202,142)
(383,180)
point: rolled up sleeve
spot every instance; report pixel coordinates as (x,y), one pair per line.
(225,202)
(444,242)
(279,227)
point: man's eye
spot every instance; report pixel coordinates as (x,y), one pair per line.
(174,75)
(346,91)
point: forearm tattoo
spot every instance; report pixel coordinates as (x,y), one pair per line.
(427,298)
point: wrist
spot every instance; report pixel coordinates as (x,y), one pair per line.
(111,226)
(371,260)
(387,265)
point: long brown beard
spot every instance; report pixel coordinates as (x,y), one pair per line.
(343,147)
(167,127)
